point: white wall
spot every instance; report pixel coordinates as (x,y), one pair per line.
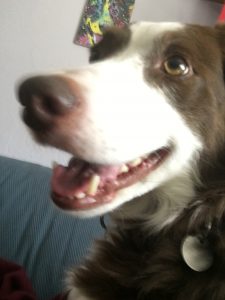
(37,35)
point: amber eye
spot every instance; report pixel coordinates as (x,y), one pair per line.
(176,66)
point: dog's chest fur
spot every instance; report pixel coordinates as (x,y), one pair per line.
(131,263)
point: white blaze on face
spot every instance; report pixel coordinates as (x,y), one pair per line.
(127,117)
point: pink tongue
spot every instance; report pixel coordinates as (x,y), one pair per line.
(74,179)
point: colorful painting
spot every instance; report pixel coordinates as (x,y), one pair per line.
(99,14)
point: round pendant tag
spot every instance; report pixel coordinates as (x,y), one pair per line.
(196,253)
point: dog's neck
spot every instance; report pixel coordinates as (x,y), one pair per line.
(161,206)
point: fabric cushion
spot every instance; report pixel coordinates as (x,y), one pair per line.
(34,233)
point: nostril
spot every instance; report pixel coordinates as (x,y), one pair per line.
(41,108)
(51,95)
(51,104)
(36,116)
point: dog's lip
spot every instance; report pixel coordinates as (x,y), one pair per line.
(82,186)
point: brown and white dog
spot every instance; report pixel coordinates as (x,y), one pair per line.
(145,122)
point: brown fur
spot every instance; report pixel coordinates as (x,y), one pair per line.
(114,40)
(134,263)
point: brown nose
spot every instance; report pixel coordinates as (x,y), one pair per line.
(44,98)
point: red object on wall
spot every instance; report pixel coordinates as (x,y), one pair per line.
(222,15)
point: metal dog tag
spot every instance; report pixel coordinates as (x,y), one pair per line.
(196,253)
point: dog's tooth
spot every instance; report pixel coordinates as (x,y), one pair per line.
(135,162)
(124,169)
(80,195)
(87,200)
(93,185)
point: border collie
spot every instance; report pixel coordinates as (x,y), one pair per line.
(145,123)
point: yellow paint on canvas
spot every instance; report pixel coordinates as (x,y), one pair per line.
(94,25)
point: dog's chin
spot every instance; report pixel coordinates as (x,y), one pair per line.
(87,189)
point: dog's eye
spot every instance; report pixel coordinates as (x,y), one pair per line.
(176,66)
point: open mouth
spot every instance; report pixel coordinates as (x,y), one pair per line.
(82,185)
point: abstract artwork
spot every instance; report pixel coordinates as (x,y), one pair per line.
(99,14)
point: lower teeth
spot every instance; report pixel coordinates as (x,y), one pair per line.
(87,200)
(80,195)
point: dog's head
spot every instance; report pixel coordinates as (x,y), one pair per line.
(136,119)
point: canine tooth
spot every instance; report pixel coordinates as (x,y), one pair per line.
(124,169)
(80,195)
(93,185)
(135,162)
